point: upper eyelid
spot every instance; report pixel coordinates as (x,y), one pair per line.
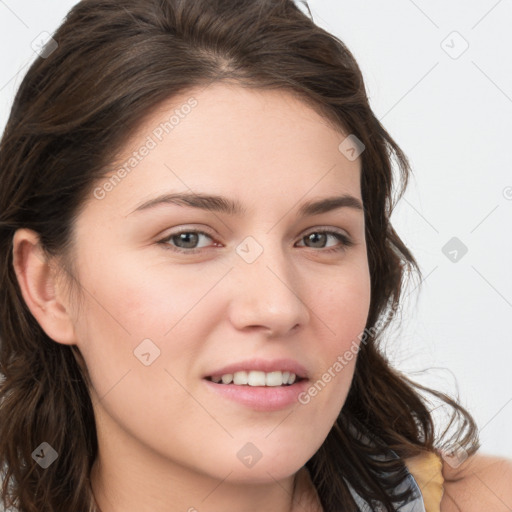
(206,232)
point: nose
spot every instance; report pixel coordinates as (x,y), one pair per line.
(268,295)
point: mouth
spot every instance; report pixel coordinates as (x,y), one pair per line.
(255,378)
(257,384)
(257,390)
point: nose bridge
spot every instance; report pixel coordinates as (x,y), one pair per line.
(269,291)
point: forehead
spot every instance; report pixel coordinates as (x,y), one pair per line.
(217,138)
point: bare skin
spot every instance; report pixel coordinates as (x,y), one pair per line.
(484,483)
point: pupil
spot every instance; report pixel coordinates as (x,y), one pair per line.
(190,239)
(315,237)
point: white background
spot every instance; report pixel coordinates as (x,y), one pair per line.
(453,118)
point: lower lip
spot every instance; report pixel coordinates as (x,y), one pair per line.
(261,398)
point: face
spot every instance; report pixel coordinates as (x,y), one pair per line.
(178,292)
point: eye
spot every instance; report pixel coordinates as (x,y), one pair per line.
(185,241)
(319,240)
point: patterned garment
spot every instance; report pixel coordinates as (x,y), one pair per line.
(425,478)
(416,505)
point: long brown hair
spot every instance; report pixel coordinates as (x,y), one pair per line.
(116,61)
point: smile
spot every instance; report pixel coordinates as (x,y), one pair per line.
(256,378)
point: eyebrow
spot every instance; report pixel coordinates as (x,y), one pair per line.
(215,203)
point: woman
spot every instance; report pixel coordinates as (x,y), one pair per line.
(198,266)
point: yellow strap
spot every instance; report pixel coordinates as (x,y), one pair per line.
(427,469)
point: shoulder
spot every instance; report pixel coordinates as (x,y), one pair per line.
(482,482)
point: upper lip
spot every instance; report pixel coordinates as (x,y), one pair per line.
(262,365)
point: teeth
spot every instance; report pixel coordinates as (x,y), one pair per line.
(240,378)
(256,378)
(226,379)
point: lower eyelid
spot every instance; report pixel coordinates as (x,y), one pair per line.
(341,237)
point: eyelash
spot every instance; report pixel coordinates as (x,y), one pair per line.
(346,242)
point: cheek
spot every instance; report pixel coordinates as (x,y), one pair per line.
(126,303)
(343,311)
(344,304)
(139,300)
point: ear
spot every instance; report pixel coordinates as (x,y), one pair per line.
(37,278)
